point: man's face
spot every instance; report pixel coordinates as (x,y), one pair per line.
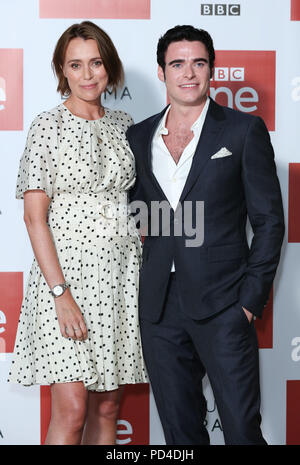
(187,73)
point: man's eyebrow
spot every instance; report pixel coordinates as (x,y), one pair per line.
(200,59)
(175,61)
(182,61)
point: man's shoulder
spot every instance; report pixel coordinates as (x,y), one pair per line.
(235,116)
(242,123)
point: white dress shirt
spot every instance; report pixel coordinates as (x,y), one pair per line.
(170,176)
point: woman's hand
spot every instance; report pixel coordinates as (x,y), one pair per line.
(70,318)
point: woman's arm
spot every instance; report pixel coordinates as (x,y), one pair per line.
(69,316)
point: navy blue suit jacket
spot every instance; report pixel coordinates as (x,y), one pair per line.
(223,270)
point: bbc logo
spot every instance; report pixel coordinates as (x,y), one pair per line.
(2,93)
(229,74)
(218,9)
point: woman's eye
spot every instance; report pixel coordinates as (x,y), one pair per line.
(74,65)
(98,63)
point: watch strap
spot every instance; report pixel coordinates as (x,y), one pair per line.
(64,287)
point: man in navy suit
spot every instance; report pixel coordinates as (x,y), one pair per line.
(197,300)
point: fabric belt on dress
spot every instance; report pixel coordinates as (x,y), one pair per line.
(93,206)
(109,213)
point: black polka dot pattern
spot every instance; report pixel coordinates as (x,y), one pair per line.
(83,166)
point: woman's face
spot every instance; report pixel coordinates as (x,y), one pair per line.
(83,67)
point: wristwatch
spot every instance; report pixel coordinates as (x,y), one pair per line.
(58,290)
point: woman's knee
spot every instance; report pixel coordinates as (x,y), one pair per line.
(72,416)
(69,407)
(109,409)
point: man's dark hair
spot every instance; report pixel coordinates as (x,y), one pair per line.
(190,33)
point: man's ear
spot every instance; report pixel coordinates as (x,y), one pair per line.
(161,74)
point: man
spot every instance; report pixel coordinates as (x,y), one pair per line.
(197,303)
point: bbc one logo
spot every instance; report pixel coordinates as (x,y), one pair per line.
(11,89)
(2,340)
(220,9)
(295,10)
(296,89)
(112,9)
(2,93)
(245,81)
(226,74)
(295,354)
(11,294)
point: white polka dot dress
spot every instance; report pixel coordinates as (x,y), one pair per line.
(86,168)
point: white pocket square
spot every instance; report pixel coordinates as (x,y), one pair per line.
(223,152)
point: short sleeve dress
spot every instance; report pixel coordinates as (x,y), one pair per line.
(86,168)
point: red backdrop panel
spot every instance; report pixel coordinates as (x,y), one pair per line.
(294,202)
(11,89)
(133,427)
(11,295)
(295,10)
(264,326)
(45,402)
(292,412)
(245,80)
(135,410)
(113,9)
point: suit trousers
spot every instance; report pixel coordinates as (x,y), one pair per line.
(179,351)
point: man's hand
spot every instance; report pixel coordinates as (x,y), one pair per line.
(249,315)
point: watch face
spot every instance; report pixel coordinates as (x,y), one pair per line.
(58,290)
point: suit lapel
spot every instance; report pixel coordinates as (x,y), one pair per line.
(212,129)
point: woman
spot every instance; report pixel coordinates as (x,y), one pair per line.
(78,329)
